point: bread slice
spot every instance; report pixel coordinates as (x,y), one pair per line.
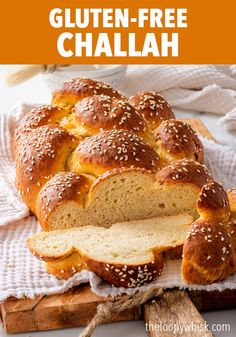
(126,254)
(120,195)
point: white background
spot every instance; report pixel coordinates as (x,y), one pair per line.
(36,90)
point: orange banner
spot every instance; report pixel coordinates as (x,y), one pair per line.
(117,31)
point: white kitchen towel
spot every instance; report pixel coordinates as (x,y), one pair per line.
(21,274)
(205,88)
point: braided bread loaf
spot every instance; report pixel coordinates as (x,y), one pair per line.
(95,158)
(69,154)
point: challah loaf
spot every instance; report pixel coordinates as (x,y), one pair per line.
(126,254)
(96,158)
(89,130)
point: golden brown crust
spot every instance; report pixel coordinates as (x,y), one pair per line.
(39,158)
(185,171)
(127,276)
(113,149)
(174,253)
(100,112)
(67,267)
(207,255)
(117,274)
(153,107)
(52,257)
(176,140)
(63,187)
(209,252)
(72,91)
(39,116)
(232,201)
(230,227)
(213,202)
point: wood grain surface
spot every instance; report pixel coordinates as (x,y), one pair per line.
(77,306)
(174,313)
(73,308)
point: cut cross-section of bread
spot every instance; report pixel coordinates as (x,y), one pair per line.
(120,195)
(126,254)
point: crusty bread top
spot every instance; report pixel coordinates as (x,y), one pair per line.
(63,186)
(72,91)
(177,140)
(39,116)
(91,129)
(209,252)
(113,149)
(40,155)
(213,202)
(41,146)
(211,233)
(185,171)
(153,107)
(100,112)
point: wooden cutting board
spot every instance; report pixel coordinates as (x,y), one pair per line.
(77,306)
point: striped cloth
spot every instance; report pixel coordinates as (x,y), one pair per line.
(206,88)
